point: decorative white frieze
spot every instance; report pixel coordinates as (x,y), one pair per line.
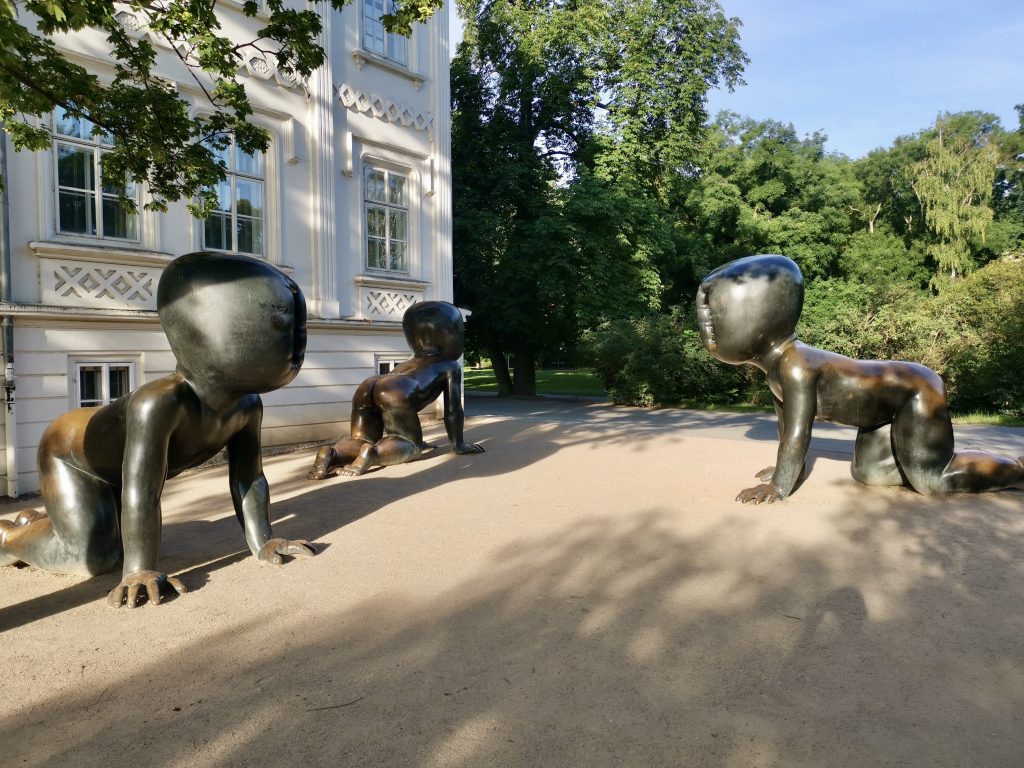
(384,109)
(388,304)
(71,283)
(252,61)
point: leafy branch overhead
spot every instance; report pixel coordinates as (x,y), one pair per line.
(157,139)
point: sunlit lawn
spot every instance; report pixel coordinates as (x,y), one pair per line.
(580,382)
(585,383)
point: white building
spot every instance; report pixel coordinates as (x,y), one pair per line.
(352,199)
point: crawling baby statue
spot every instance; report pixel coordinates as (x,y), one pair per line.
(237,327)
(385,424)
(748,310)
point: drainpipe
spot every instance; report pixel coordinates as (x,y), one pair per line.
(7,331)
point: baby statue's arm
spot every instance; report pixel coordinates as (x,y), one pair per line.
(250,495)
(149,422)
(454,416)
(797,419)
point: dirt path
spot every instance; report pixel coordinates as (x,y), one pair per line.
(586,593)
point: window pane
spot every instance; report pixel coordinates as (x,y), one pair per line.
(375,189)
(249,164)
(74,167)
(117,221)
(250,236)
(223,190)
(90,387)
(120,381)
(375,221)
(397,256)
(112,187)
(68,125)
(398,221)
(76,213)
(396,189)
(397,49)
(375,254)
(222,156)
(250,197)
(215,232)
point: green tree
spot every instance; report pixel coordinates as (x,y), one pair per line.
(570,120)
(763,188)
(156,140)
(953,184)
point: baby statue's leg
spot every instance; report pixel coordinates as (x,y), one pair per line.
(873,459)
(386,452)
(403,438)
(923,441)
(341,454)
(366,425)
(78,535)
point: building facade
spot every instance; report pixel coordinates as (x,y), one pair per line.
(352,199)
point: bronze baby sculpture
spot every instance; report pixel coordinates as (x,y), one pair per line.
(748,310)
(385,424)
(237,327)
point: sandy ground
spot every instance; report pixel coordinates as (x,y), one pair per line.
(586,593)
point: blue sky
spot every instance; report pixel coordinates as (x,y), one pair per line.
(867,71)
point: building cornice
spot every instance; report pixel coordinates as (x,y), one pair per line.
(79,251)
(88,314)
(50,312)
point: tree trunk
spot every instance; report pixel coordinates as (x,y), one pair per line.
(525,367)
(500,366)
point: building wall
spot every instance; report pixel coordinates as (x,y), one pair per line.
(82,298)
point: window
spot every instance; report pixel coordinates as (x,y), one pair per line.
(87,204)
(100,382)
(237,223)
(378,39)
(388,364)
(387,220)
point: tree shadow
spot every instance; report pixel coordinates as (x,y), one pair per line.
(891,637)
(201,533)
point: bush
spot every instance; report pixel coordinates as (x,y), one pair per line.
(972,333)
(658,359)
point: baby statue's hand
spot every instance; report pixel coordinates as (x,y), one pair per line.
(275,550)
(756,495)
(127,592)
(766,474)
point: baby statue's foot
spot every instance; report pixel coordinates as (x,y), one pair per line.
(351,470)
(24,517)
(27,516)
(321,464)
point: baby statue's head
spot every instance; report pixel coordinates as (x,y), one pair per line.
(749,306)
(235,324)
(434,329)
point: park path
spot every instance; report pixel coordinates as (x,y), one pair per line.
(585,593)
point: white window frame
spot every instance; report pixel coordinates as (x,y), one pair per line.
(105,363)
(97,147)
(232,176)
(375,39)
(388,208)
(386,362)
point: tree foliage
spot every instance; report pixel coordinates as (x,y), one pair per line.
(869,236)
(156,138)
(571,125)
(953,183)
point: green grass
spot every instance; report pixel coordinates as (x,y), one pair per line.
(981,417)
(585,383)
(581,382)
